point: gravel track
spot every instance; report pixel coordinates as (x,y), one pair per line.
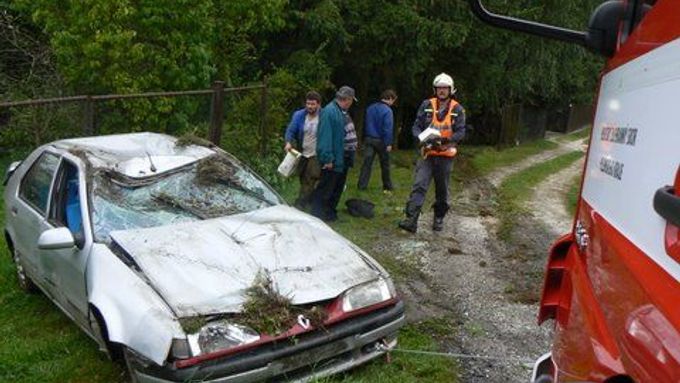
(465,272)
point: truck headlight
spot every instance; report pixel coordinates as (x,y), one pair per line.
(367,294)
(221,335)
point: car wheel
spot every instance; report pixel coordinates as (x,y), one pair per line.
(130,362)
(25,282)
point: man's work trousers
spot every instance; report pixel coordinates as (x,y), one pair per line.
(329,190)
(310,173)
(373,146)
(342,180)
(438,168)
(323,203)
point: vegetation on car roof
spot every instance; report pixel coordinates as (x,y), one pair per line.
(216,168)
(196,207)
(192,139)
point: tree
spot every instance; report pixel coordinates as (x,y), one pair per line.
(124,47)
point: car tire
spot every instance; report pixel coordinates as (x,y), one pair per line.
(128,357)
(24,281)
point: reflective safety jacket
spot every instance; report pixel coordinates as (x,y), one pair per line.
(444,124)
(426,115)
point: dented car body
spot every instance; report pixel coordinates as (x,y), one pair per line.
(149,245)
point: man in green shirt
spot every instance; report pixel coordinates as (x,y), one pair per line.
(330,152)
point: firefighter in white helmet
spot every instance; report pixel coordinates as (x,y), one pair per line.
(445,115)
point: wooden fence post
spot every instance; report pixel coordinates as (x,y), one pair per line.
(88,117)
(216,113)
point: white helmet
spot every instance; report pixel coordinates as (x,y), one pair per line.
(443,80)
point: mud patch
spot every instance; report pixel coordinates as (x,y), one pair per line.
(476,199)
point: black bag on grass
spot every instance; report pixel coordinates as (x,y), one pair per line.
(360,208)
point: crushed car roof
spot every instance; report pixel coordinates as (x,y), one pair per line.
(134,154)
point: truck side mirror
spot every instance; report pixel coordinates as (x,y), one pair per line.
(603,27)
(601,37)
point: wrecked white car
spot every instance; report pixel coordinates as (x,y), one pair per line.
(178,258)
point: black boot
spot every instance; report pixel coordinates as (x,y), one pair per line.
(410,223)
(439,214)
(438,223)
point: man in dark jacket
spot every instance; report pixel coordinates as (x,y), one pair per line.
(330,152)
(445,116)
(350,149)
(301,134)
(378,133)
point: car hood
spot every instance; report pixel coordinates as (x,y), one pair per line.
(204,267)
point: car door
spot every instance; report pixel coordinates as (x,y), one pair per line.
(66,266)
(29,210)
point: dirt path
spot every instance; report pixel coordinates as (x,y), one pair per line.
(468,272)
(547,202)
(496,177)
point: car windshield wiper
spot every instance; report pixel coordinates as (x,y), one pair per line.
(153,167)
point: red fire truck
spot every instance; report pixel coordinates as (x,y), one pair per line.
(613,283)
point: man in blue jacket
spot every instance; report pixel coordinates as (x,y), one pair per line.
(330,152)
(378,128)
(301,134)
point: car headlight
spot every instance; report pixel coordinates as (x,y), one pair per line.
(367,294)
(220,335)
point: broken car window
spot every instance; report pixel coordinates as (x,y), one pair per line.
(213,187)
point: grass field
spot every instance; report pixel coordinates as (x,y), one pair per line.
(40,344)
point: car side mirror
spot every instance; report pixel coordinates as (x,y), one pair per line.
(10,170)
(53,239)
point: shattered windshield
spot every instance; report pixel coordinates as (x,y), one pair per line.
(214,186)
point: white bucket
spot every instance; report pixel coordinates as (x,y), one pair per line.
(289,163)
